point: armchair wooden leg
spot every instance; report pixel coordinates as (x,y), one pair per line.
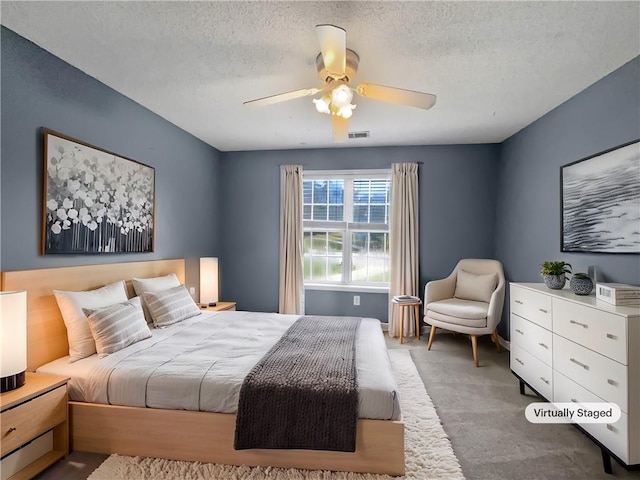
(496,340)
(432,334)
(474,345)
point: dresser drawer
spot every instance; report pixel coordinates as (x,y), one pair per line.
(614,436)
(533,338)
(533,371)
(534,306)
(600,331)
(600,375)
(21,424)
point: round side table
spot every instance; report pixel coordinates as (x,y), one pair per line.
(416,305)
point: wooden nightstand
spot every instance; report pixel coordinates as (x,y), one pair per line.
(38,407)
(220,306)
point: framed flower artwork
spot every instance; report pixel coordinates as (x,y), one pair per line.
(95,201)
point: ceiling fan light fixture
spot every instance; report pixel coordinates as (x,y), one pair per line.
(341,96)
(327,103)
(346,111)
(337,66)
(322,104)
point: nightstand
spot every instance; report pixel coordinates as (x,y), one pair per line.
(34,423)
(220,306)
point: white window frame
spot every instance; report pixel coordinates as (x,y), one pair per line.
(347,227)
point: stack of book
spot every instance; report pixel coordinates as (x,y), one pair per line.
(618,293)
(406,299)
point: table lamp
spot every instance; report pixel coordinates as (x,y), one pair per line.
(13,340)
(209,281)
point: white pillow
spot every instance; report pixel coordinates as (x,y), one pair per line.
(117,326)
(479,288)
(81,343)
(155,284)
(170,306)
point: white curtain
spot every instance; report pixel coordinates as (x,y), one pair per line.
(403,244)
(291,269)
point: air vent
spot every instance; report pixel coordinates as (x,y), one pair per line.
(359,134)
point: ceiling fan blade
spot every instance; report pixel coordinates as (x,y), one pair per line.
(397,95)
(283,97)
(340,128)
(333,46)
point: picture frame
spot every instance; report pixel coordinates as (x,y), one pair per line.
(95,201)
(600,202)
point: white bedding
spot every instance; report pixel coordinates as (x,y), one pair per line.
(200,363)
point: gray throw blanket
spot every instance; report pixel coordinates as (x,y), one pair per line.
(303,394)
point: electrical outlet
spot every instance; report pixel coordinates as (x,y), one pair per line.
(356,299)
(192,290)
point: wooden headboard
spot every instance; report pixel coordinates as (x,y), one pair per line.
(46,333)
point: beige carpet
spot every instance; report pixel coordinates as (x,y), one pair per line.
(428,452)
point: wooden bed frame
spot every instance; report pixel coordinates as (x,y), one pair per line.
(174,434)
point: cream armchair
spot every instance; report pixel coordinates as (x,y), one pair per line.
(468,301)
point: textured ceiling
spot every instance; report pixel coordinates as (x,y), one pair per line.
(495,66)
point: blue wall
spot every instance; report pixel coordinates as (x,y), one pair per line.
(40,90)
(601,117)
(457,217)
(497,201)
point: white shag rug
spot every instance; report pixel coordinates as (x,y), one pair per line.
(428,452)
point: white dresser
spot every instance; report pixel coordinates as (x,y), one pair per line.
(571,348)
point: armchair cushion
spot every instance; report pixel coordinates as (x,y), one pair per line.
(455,311)
(479,288)
(456,307)
(456,324)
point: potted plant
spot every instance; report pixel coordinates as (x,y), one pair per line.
(553,274)
(581,284)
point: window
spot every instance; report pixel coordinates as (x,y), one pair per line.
(346,228)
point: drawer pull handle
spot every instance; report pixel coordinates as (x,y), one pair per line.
(611,336)
(519,302)
(520,331)
(543,345)
(574,400)
(543,310)
(519,361)
(611,382)
(583,325)
(544,380)
(611,427)
(586,367)
(11,429)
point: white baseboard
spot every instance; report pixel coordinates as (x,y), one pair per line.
(506,344)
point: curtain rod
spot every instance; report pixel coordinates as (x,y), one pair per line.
(358,168)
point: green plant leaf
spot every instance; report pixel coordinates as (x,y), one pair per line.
(554,268)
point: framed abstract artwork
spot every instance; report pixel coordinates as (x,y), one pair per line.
(95,201)
(600,202)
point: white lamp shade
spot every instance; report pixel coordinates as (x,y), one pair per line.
(208,280)
(341,96)
(13,338)
(322,105)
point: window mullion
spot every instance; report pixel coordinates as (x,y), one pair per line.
(346,257)
(348,202)
(326,256)
(348,217)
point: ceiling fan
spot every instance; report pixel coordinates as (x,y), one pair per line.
(337,66)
